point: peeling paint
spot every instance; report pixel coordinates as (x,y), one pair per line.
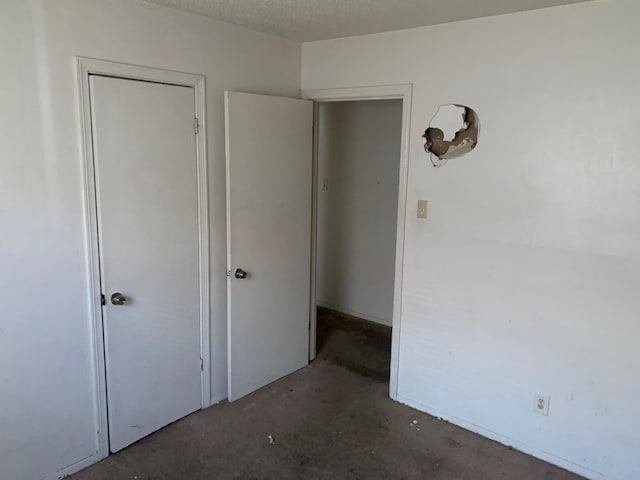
(453,132)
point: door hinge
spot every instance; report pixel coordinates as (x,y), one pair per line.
(103,299)
(201,365)
(196,125)
(228,273)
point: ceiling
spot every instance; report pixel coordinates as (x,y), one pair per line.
(308,20)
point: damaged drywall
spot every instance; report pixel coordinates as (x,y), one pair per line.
(453,132)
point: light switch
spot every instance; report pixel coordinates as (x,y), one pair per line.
(422,209)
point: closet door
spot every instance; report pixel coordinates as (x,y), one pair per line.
(146,180)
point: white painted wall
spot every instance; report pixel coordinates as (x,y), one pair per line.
(525,278)
(47,405)
(359,159)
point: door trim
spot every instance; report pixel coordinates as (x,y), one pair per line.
(380,92)
(84,67)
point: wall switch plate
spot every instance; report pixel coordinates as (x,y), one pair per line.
(422,209)
(541,404)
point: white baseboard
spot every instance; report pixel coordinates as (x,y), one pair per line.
(75,467)
(515,444)
(353,313)
(90,460)
(217,398)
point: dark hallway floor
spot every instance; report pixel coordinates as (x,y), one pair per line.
(330,420)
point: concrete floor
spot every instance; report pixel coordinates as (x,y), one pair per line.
(330,420)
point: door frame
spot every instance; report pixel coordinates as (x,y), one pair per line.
(84,67)
(379,92)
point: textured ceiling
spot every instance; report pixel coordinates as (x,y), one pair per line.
(308,20)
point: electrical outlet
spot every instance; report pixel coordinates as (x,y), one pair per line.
(422,209)
(541,404)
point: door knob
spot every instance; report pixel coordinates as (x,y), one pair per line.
(240,273)
(118,299)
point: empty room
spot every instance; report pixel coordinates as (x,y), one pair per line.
(300,239)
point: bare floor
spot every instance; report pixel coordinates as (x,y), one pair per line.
(331,420)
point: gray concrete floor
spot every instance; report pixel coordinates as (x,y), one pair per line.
(330,420)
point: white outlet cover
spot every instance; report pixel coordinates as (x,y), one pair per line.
(541,404)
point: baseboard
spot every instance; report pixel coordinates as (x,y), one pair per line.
(217,399)
(515,444)
(75,467)
(353,313)
(91,459)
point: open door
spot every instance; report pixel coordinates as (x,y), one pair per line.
(269,193)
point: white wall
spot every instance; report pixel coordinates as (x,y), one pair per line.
(359,157)
(525,277)
(47,405)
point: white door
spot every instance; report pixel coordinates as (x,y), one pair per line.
(269,161)
(145,163)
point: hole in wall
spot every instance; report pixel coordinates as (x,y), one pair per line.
(453,132)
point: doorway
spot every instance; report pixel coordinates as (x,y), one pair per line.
(271,217)
(145,173)
(358,160)
(360,178)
